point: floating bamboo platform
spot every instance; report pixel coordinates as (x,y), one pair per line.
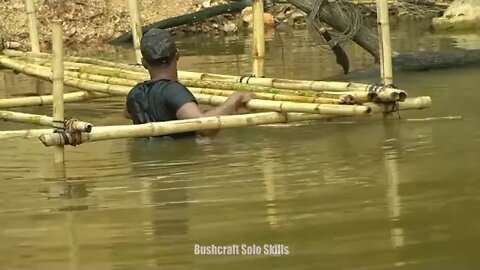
(278,100)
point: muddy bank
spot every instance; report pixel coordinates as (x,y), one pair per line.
(96,22)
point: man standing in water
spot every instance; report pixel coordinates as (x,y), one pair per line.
(163,98)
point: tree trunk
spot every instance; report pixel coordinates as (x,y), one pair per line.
(365,37)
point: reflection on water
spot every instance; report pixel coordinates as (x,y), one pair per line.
(357,194)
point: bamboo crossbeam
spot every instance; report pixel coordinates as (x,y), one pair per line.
(48,99)
(279,97)
(75,59)
(179,126)
(44,120)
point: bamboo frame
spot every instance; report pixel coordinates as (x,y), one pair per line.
(136,28)
(23,134)
(106,68)
(57,78)
(258,48)
(215,122)
(32,25)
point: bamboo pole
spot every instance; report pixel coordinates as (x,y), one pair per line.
(75,59)
(44,120)
(351,97)
(409,104)
(136,28)
(41,120)
(32,25)
(57,78)
(23,134)
(178,126)
(124,71)
(385,48)
(48,99)
(287,106)
(258,48)
(279,97)
(229,82)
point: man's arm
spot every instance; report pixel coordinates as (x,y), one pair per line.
(231,105)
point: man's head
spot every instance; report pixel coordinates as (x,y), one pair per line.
(158,48)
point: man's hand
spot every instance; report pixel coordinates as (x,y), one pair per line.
(240,99)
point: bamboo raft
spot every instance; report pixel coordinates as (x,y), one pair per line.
(281,104)
(276,100)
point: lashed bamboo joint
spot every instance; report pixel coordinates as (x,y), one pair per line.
(72,125)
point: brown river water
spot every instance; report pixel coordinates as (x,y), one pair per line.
(353,194)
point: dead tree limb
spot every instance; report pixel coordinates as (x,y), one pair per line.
(365,38)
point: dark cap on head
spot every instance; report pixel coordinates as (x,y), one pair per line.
(158,46)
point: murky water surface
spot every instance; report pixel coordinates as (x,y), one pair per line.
(357,194)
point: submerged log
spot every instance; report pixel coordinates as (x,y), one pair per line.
(423,61)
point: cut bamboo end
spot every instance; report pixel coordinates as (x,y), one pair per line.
(417,103)
(227,82)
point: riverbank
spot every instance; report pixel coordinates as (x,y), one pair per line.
(99,21)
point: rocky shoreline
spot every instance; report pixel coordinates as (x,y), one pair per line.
(98,21)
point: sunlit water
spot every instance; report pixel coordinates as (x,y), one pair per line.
(354,194)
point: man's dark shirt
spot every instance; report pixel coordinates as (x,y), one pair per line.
(158,101)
